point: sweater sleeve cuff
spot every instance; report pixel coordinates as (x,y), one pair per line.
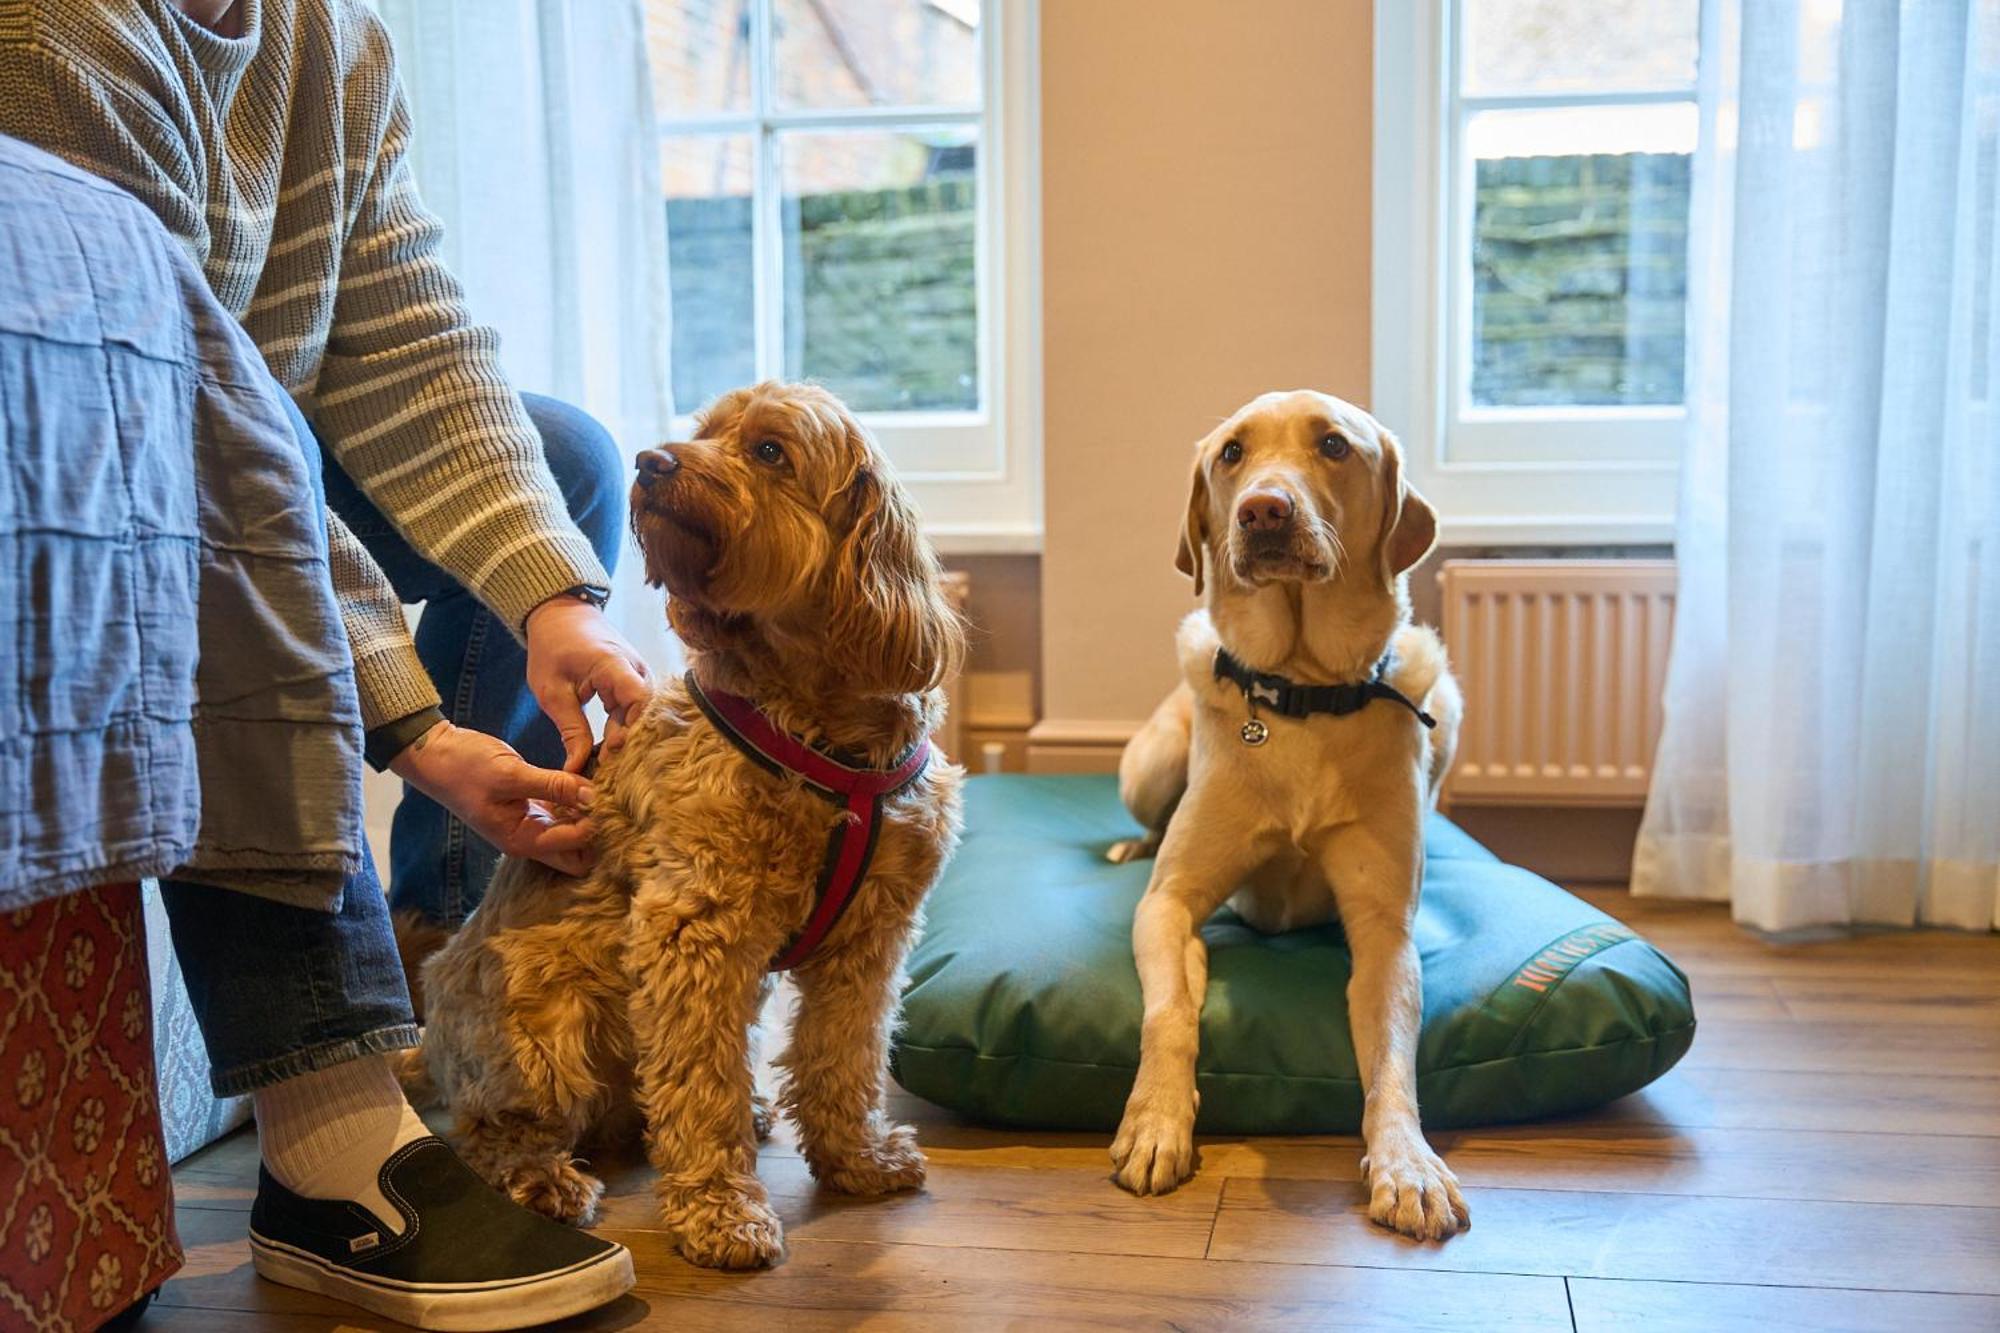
(548,565)
(392,738)
(393,684)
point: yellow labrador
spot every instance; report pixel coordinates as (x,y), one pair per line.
(1289,772)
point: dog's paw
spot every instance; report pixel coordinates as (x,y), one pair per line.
(556,1188)
(892,1166)
(1154,1150)
(763,1117)
(733,1231)
(1412,1191)
(1132,849)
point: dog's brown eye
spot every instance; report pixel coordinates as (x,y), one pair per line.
(1232,452)
(1334,446)
(770,451)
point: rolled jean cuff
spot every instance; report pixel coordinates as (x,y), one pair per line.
(248,1078)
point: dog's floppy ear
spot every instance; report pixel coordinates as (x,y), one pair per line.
(890,621)
(1409,524)
(1194,531)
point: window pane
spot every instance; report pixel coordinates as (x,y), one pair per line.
(881,301)
(1544,46)
(708,186)
(699,51)
(1579,255)
(833,53)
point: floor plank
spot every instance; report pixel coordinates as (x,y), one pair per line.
(1864,1049)
(1732,1163)
(1694,1307)
(1735,997)
(1650,1236)
(1691,924)
(192,1319)
(1910,1001)
(1697,1097)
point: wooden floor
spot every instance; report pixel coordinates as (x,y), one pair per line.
(1826,1157)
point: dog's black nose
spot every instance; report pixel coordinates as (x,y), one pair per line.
(657,464)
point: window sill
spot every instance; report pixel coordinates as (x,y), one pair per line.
(1555,530)
(984,538)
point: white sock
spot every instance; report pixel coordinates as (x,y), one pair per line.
(325,1135)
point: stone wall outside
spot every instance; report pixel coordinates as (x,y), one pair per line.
(1580,280)
(880,295)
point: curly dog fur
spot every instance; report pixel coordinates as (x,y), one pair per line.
(797,577)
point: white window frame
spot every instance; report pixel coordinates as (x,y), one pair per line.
(1521,476)
(974,474)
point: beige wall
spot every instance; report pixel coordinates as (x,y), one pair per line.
(1205,236)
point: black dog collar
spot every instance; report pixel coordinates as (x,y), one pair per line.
(1288,698)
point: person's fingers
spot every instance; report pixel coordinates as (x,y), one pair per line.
(620,684)
(530,831)
(614,734)
(524,782)
(565,709)
(546,835)
(566,847)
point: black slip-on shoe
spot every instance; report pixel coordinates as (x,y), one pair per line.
(468,1256)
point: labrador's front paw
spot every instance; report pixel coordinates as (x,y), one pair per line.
(1154,1150)
(1133,849)
(1412,1191)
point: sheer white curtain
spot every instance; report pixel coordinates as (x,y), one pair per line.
(535,143)
(1832,744)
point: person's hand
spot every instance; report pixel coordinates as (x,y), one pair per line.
(521,809)
(574,656)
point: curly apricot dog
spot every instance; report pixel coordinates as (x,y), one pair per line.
(798,579)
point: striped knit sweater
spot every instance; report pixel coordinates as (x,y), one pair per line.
(280,159)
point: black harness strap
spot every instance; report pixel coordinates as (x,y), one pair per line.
(1288,698)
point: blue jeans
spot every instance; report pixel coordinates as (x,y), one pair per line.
(281,991)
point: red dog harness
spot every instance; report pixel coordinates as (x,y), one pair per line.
(861,791)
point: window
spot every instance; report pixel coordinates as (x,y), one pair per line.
(1533,177)
(845,203)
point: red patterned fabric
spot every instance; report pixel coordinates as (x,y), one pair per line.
(86,1201)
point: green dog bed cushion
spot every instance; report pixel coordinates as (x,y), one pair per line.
(1023,1004)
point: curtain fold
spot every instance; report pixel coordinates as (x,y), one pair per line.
(1831,752)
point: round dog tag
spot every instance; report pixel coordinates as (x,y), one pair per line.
(1255,732)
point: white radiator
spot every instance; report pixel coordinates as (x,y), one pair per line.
(1562,663)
